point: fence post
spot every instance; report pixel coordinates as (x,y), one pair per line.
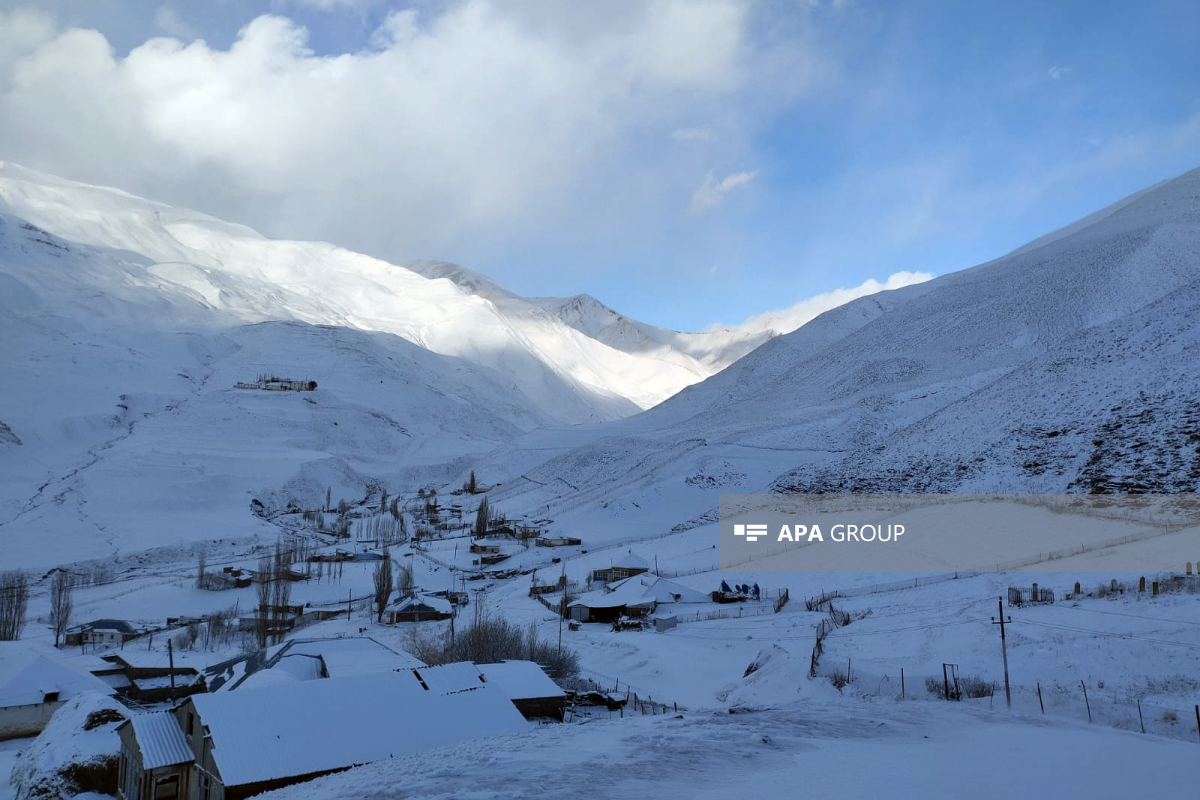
(1085,701)
(1043,705)
(1198,720)
(902,683)
(1141,721)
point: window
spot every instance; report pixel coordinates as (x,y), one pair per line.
(191,728)
(166,788)
(50,697)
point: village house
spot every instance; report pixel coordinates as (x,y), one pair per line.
(242,744)
(307,659)
(558,541)
(35,681)
(419,608)
(636,596)
(102,633)
(625,567)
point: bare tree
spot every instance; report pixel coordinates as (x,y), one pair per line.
(404,579)
(200,567)
(281,589)
(481,518)
(14,600)
(383,584)
(62,588)
(262,623)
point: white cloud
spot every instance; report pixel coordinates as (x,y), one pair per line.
(1058,73)
(789,319)
(461,122)
(710,193)
(330,6)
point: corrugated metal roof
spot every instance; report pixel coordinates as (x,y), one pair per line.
(462,676)
(160,740)
(316,726)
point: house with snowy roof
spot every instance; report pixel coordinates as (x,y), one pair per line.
(104,633)
(528,687)
(232,745)
(635,596)
(626,566)
(35,681)
(307,659)
(419,607)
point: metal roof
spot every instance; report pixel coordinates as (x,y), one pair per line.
(160,740)
(462,676)
(520,680)
(317,726)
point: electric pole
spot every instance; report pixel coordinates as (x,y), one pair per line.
(171,661)
(1004,649)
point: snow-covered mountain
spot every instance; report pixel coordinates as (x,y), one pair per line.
(696,354)
(1072,364)
(126,324)
(229,271)
(712,350)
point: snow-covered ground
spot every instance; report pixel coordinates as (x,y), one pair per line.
(818,749)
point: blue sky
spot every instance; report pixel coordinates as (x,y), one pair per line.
(687,163)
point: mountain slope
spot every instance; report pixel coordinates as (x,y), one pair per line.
(1071,365)
(568,376)
(694,356)
(123,429)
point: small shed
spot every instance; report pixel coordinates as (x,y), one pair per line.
(34,683)
(558,541)
(529,688)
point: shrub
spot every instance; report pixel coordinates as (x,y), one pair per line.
(489,640)
(975,686)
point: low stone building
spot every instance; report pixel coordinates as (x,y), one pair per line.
(35,681)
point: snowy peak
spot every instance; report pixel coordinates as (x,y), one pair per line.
(193,261)
(710,351)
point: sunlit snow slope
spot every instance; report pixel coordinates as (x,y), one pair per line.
(567,375)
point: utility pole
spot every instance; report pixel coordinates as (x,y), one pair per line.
(562,607)
(1004,649)
(171,661)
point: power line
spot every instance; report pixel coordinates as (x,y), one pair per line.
(1113,635)
(1133,616)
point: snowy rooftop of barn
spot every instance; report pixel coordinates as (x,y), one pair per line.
(29,672)
(520,680)
(318,726)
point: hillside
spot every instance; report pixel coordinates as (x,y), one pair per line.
(1069,365)
(231,272)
